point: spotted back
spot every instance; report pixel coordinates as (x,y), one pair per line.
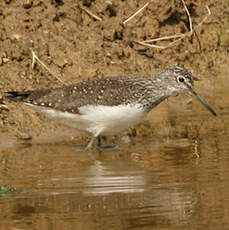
(102,91)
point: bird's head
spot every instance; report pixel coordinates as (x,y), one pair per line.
(180,80)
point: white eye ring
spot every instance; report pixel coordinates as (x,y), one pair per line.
(180,79)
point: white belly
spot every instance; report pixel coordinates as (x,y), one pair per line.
(97,119)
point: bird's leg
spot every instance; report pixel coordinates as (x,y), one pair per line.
(105,147)
(91,144)
(89,147)
(99,145)
(99,141)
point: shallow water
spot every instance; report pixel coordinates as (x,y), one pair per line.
(177,179)
(164,183)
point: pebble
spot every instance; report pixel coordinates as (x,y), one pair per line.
(28,4)
(24,135)
(7,1)
(4,107)
(5,60)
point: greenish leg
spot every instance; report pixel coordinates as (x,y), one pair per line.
(91,144)
(89,148)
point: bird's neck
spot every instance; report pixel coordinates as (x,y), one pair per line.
(156,91)
(161,85)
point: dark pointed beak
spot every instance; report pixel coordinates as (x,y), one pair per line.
(201,100)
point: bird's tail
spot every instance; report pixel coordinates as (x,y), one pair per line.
(17,96)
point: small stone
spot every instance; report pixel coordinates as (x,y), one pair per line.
(60,62)
(16,36)
(3,107)
(28,4)
(5,60)
(1,61)
(23,74)
(7,1)
(24,135)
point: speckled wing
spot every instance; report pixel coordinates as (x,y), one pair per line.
(102,91)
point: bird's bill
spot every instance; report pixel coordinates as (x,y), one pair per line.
(201,100)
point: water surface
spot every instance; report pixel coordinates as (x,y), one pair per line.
(177,181)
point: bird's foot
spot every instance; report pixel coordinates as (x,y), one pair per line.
(91,145)
(101,147)
(107,147)
(81,149)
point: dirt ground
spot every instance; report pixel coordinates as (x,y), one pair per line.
(75,45)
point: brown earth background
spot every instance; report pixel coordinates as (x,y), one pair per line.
(75,46)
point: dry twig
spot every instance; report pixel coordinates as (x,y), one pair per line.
(189,17)
(178,37)
(150,45)
(35,58)
(136,13)
(164,38)
(91,14)
(205,18)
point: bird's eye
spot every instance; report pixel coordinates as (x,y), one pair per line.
(181,79)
